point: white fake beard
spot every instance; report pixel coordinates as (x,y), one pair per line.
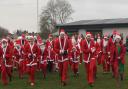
(4,45)
(98,40)
(105,43)
(73,41)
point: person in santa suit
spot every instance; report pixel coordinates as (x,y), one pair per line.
(111,49)
(19,58)
(75,55)
(49,53)
(6,62)
(119,57)
(98,48)
(31,51)
(62,48)
(89,50)
(23,41)
(105,59)
(80,39)
(42,60)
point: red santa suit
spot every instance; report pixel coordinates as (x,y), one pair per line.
(79,45)
(61,48)
(31,62)
(74,56)
(89,58)
(105,60)
(19,59)
(43,61)
(49,53)
(111,49)
(119,58)
(6,62)
(23,42)
(98,49)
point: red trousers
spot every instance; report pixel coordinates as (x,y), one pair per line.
(90,71)
(81,58)
(31,71)
(74,67)
(63,69)
(106,63)
(44,69)
(99,58)
(21,69)
(5,73)
(115,65)
(38,66)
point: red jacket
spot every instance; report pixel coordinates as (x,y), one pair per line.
(18,54)
(59,45)
(105,48)
(98,47)
(49,52)
(121,55)
(7,55)
(32,53)
(87,51)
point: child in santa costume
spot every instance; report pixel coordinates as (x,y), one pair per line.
(89,50)
(80,39)
(31,51)
(49,53)
(62,48)
(105,59)
(19,58)
(75,55)
(6,62)
(119,57)
(98,48)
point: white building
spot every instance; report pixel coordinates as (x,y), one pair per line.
(104,26)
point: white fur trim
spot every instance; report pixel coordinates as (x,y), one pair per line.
(4,40)
(88,35)
(117,37)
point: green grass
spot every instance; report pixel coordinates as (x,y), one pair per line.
(104,81)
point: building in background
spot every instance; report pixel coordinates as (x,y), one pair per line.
(104,26)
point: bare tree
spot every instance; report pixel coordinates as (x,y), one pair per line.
(56,12)
(3,32)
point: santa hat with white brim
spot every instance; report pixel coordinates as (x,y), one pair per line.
(62,31)
(88,34)
(117,36)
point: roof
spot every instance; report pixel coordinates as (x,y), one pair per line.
(97,22)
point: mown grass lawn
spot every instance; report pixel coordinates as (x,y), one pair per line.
(104,81)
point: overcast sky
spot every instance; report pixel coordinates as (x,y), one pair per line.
(21,14)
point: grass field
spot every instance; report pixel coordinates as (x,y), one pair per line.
(104,81)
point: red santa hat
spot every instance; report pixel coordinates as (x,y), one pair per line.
(30,38)
(88,34)
(114,32)
(105,36)
(16,43)
(39,40)
(98,36)
(62,31)
(118,36)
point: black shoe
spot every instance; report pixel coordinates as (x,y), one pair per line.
(10,79)
(91,85)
